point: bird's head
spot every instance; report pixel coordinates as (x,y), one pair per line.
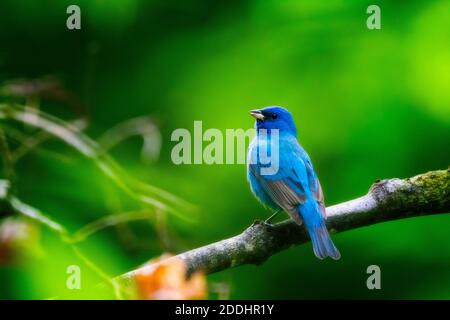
(274,117)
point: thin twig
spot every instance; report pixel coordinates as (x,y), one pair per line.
(69,133)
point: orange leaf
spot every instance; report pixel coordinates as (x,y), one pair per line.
(165,279)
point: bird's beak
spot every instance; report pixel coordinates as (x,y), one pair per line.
(257,114)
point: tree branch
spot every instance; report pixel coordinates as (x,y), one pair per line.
(387,200)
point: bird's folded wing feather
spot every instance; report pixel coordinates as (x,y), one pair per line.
(287,186)
(314,184)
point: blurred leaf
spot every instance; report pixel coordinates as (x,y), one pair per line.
(164,278)
(18,238)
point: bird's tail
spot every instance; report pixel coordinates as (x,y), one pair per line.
(322,244)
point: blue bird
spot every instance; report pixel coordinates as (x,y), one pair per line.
(292,184)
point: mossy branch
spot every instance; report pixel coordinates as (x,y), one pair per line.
(387,200)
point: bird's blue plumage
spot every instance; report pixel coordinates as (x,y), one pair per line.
(293,186)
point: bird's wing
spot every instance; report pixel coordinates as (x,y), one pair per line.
(314,184)
(287,186)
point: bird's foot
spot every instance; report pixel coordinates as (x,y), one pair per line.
(257,221)
(265,223)
(269,219)
(268,222)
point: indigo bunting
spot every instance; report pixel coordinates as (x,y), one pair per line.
(292,186)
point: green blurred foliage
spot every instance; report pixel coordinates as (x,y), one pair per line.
(368,104)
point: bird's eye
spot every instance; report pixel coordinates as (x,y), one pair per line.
(274,116)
